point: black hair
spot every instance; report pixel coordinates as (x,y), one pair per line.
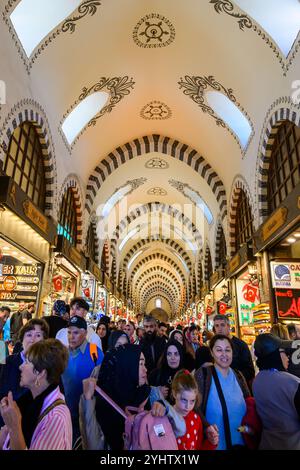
(4,309)
(163,324)
(221,338)
(80,302)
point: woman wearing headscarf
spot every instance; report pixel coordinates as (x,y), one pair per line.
(276,394)
(188,352)
(123,377)
(117,338)
(40,419)
(169,363)
(103,333)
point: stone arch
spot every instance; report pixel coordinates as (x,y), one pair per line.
(148,209)
(72,182)
(146,301)
(207,257)
(166,241)
(30,110)
(156,274)
(281,110)
(158,278)
(218,237)
(149,144)
(93,224)
(158,256)
(104,262)
(239,184)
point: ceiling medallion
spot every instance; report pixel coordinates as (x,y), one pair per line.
(157,192)
(157,164)
(153,31)
(156,110)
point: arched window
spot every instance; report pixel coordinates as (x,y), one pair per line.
(91,243)
(284,170)
(24,163)
(244,221)
(67,223)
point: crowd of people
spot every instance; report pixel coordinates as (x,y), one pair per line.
(66,385)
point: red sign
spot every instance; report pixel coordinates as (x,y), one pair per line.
(222,308)
(87,292)
(250,293)
(208,310)
(288,303)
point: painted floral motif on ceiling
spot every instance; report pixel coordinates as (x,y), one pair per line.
(195,88)
(86,8)
(117,88)
(157,192)
(156,110)
(153,30)
(245,22)
(157,164)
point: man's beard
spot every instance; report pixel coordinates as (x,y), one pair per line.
(151,335)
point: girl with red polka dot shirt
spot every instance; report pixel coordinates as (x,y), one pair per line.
(186,395)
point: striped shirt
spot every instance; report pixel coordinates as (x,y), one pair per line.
(54,431)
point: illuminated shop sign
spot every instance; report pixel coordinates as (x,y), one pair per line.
(288,303)
(247,297)
(19,282)
(285,275)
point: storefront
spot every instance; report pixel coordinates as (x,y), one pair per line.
(244,271)
(92,289)
(111,300)
(68,270)
(26,238)
(277,242)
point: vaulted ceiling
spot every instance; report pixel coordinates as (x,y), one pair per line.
(157,148)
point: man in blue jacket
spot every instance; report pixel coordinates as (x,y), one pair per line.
(83,357)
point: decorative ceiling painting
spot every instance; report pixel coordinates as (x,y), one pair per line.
(251,15)
(157,164)
(157,192)
(156,110)
(153,31)
(198,88)
(116,87)
(85,9)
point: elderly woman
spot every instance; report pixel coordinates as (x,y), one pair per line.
(224,392)
(40,420)
(35,330)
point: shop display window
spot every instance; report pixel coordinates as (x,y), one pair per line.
(20,276)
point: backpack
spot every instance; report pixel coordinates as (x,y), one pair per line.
(94,353)
(146,432)
(142,430)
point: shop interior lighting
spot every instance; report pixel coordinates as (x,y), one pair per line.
(291,240)
(33,20)
(231,115)
(296,234)
(281,19)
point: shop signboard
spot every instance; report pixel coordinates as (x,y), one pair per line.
(288,303)
(64,247)
(247,298)
(285,275)
(19,282)
(16,200)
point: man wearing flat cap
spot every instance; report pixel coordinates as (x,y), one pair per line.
(83,357)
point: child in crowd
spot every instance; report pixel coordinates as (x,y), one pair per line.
(186,396)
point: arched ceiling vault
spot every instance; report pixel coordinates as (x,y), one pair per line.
(156,152)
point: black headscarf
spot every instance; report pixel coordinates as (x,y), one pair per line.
(203,355)
(113,338)
(271,361)
(119,378)
(30,409)
(163,375)
(104,340)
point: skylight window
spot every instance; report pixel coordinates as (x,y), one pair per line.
(82,114)
(33,20)
(114,199)
(158,303)
(181,260)
(128,236)
(231,115)
(280,18)
(134,258)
